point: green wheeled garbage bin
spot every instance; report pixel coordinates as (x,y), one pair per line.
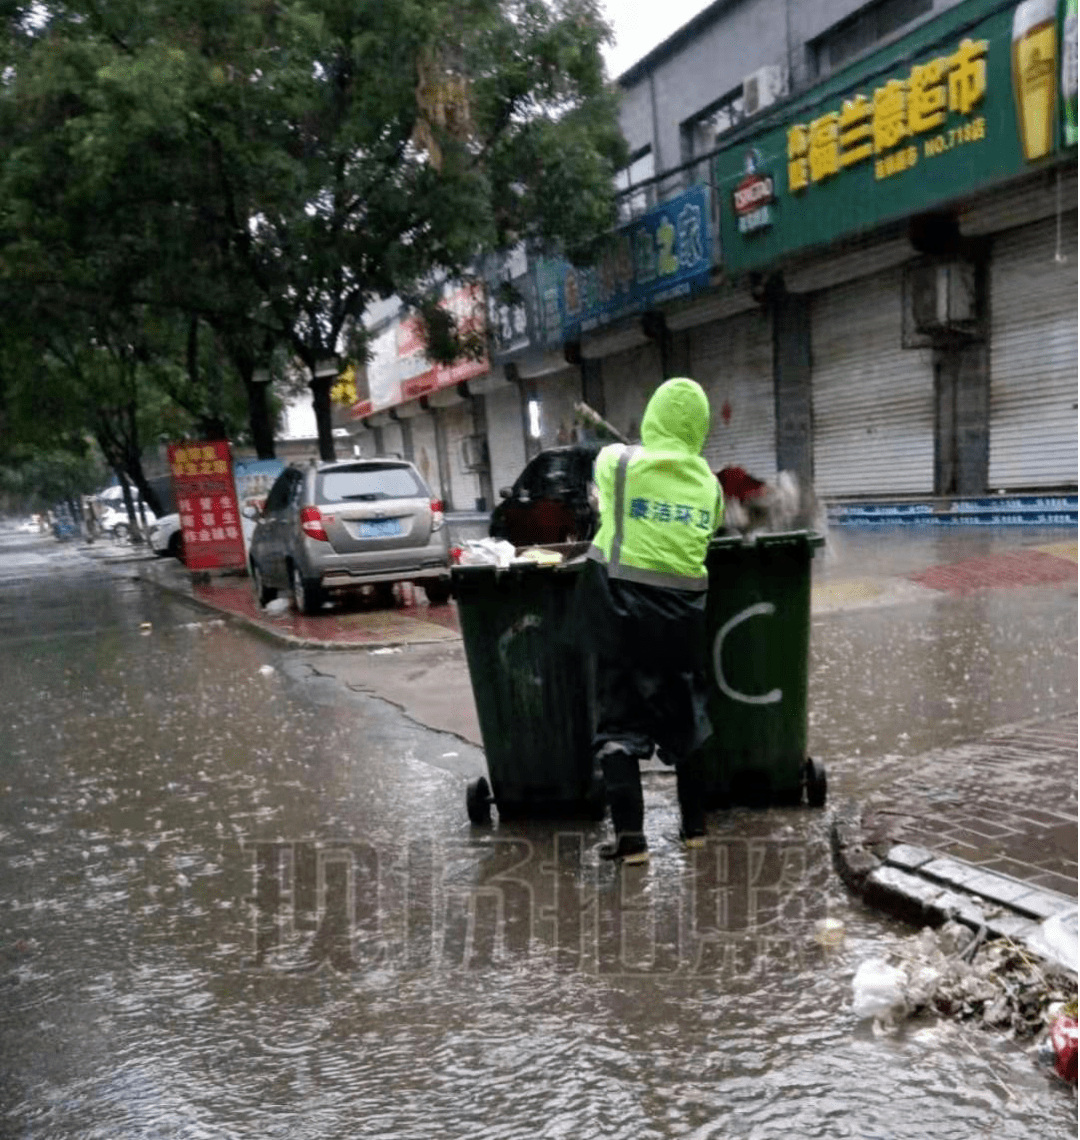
(758,621)
(534,690)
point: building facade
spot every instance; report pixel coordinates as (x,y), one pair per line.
(855,225)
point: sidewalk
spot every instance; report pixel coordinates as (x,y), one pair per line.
(986,831)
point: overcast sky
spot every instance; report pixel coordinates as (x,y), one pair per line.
(640,25)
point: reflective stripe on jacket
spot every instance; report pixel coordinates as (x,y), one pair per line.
(659,503)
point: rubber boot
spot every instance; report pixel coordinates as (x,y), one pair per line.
(690,788)
(622,783)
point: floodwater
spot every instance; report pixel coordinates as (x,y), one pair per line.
(230,909)
(891,681)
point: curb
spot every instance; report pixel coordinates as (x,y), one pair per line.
(922,888)
(181,590)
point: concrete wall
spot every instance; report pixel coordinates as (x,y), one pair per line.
(744,35)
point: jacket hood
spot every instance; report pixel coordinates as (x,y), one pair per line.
(676,417)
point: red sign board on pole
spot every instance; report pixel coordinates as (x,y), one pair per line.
(206,499)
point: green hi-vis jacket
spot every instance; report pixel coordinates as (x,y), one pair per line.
(659,503)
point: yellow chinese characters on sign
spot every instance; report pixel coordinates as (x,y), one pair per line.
(197,461)
(798,148)
(856,130)
(873,128)
(926,97)
(824,147)
(890,125)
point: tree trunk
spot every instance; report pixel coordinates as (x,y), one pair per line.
(129,504)
(259,420)
(320,401)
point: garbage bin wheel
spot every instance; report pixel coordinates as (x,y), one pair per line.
(437,591)
(816,783)
(478,801)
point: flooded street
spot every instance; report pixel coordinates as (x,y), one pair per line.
(238,906)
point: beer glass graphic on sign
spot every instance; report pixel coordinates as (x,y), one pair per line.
(1034,71)
(1068,74)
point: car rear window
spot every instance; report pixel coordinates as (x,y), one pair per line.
(370,482)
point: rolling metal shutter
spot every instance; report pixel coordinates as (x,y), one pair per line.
(1033,358)
(558,394)
(393,444)
(630,378)
(733,361)
(506,435)
(873,400)
(425,455)
(457,423)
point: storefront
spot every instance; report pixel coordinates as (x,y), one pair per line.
(1033,355)
(629,377)
(598,317)
(732,359)
(941,337)
(873,399)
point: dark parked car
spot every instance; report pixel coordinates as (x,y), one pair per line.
(340,526)
(549,501)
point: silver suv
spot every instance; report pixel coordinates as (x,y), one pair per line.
(360,522)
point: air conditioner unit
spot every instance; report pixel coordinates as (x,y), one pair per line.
(942,297)
(764,87)
(474,453)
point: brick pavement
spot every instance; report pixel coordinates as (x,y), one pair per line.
(985,832)
(1013,568)
(1006,802)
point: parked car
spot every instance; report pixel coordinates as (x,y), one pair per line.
(549,501)
(345,525)
(166,536)
(114,520)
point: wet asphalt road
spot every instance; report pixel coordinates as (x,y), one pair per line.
(234,905)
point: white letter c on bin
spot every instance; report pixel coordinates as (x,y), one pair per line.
(762,609)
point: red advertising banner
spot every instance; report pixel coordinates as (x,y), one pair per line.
(419,375)
(206,499)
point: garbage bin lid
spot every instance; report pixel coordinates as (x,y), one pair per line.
(784,538)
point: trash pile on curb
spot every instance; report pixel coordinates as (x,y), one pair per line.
(955,972)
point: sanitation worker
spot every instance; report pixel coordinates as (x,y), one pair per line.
(642,609)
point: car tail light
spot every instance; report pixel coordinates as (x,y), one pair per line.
(312,525)
(437,517)
(455,554)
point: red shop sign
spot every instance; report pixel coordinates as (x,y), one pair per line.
(206,499)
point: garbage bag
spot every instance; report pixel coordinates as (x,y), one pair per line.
(877,989)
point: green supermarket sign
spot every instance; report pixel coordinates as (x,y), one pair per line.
(971,99)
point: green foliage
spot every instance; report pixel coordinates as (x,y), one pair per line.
(267,170)
(35,479)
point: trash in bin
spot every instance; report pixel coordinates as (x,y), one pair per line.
(534,689)
(486,552)
(758,623)
(541,555)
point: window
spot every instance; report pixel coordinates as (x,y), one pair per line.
(369,483)
(634,202)
(279,494)
(700,133)
(861,31)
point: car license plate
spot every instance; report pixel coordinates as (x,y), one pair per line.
(380,528)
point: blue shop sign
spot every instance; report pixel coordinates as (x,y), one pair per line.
(663,255)
(1028,510)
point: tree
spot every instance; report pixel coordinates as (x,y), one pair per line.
(271,169)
